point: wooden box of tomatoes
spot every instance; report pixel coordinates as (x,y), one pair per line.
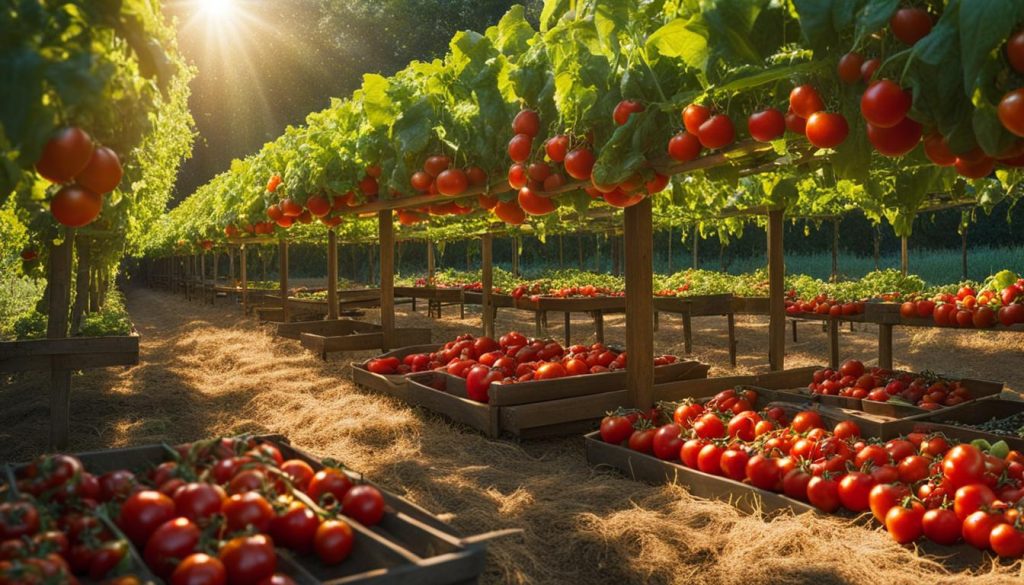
(386,383)
(406,545)
(992,419)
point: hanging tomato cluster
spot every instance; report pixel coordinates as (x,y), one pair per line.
(87,172)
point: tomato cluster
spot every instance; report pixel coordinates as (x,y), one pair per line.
(853,381)
(536,291)
(822,305)
(919,485)
(969,308)
(87,172)
(214,514)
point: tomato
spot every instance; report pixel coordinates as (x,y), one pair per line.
(709,426)
(526,122)
(74,206)
(657,184)
(384,366)
(684,147)
(289,207)
(579,163)
(796,124)
(106,558)
(172,541)
(18,519)
(666,442)
(299,472)
(867,70)
(823,493)
(846,429)
(248,559)
(333,541)
(884,104)
(971,498)
(975,169)
(693,116)
(962,465)
(519,147)
(849,68)
(764,472)
(642,441)
(904,524)
(895,141)
(421,180)
(716,132)
(556,147)
(804,101)
(364,504)
(550,371)
(199,501)
(247,480)
(248,509)
(826,129)
(977,528)
(882,497)
(910,25)
(65,155)
(766,125)
(103,172)
(452,182)
(807,420)
(937,151)
(615,429)
(199,569)
(278,579)
(625,109)
(538,171)
(1007,541)
(914,468)
(732,463)
(143,512)
(941,526)
(329,481)
(436,164)
(709,459)
(1011,111)
(794,484)
(854,491)
(295,528)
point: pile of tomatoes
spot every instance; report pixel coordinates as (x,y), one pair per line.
(852,380)
(535,291)
(822,305)
(214,515)
(918,485)
(968,308)
(514,358)
(87,172)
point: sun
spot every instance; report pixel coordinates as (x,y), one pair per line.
(218,10)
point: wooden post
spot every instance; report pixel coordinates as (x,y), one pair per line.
(833,343)
(487,282)
(282,257)
(963,252)
(82,282)
(640,304)
(885,346)
(431,263)
(776,292)
(386,233)
(835,250)
(515,256)
(242,254)
(904,256)
(696,251)
(332,274)
(59,287)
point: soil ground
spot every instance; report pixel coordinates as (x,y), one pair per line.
(208,371)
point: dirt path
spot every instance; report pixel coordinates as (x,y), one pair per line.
(207,371)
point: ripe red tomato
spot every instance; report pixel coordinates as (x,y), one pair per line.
(579,163)
(299,472)
(364,504)
(103,173)
(846,429)
(884,104)
(764,472)
(199,501)
(884,496)
(329,481)
(642,441)
(937,151)
(975,169)
(666,442)
(526,122)
(535,204)
(557,147)
(74,206)
(452,182)
(657,184)
(804,101)
(977,528)
(686,412)
(519,147)
(709,426)
(333,541)
(369,186)
(796,124)
(766,125)
(684,147)
(172,541)
(962,465)
(1011,111)
(941,526)
(716,132)
(65,155)
(199,569)
(18,519)
(904,524)
(318,205)
(895,141)
(971,498)
(910,25)
(624,109)
(615,429)
(733,463)
(867,70)
(295,528)
(622,200)
(826,130)
(517,176)
(434,165)
(290,208)
(849,68)
(807,420)
(794,484)
(823,493)
(248,509)
(143,512)
(1007,541)
(248,559)
(693,116)
(854,491)
(914,468)
(709,459)
(510,212)
(421,180)
(1015,51)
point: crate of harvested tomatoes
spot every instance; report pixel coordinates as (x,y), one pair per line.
(241,511)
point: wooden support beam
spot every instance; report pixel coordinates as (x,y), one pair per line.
(776,292)
(282,270)
(59,291)
(242,254)
(904,256)
(386,233)
(487,282)
(81,284)
(639,304)
(332,274)
(885,346)
(833,343)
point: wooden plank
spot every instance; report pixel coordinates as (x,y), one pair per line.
(473,414)
(776,292)
(833,343)
(386,233)
(904,256)
(487,283)
(81,284)
(639,303)
(330,328)
(731,323)
(332,274)
(59,289)
(885,346)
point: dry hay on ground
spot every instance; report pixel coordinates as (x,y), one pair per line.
(207,371)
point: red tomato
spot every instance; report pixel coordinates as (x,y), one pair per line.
(295,528)
(364,504)
(804,101)
(849,68)
(796,124)
(103,173)
(452,182)
(766,125)
(550,371)
(910,25)
(329,481)
(895,141)
(733,463)
(846,429)
(941,526)
(977,528)
(299,472)
(826,130)
(1007,541)
(794,484)
(74,206)
(625,109)
(867,70)
(716,132)
(693,116)
(248,509)
(914,468)
(615,429)
(1011,111)
(904,524)
(172,541)
(962,465)
(526,122)
(642,441)
(764,472)
(971,498)
(519,147)
(199,569)
(854,491)
(666,442)
(709,426)
(434,165)
(684,147)
(936,149)
(807,420)
(884,104)
(248,559)
(557,147)
(199,501)
(709,459)
(333,541)
(142,513)
(579,163)
(823,493)
(65,155)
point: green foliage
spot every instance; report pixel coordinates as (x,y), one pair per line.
(30,324)
(113,319)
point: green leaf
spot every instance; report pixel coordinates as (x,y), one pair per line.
(552,12)
(816,21)
(984,27)
(413,127)
(683,39)
(873,17)
(376,101)
(610,18)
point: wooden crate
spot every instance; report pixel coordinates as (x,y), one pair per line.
(326,328)
(978,389)
(973,412)
(72,353)
(410,545)
(750,305)
(355,341)
(382,382)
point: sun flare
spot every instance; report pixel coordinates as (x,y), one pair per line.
(218,10)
